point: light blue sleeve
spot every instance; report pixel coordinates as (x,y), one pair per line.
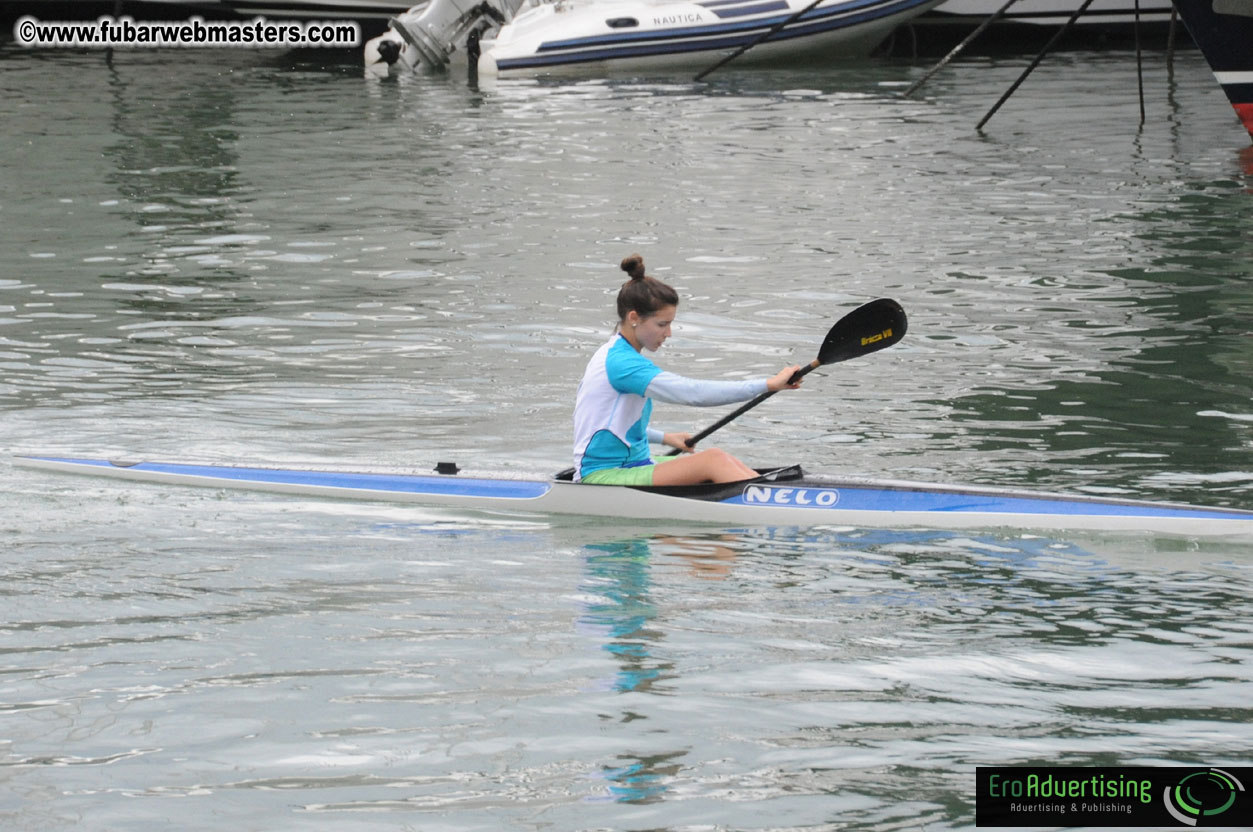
(656,436)
(676,389)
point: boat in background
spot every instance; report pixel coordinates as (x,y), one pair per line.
(636,35)
(89,10)
(777,497)
(1104,18)
(1223,29)
(371,15)
(404,46)
(497,37)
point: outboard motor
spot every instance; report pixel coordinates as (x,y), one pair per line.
(386,53)
(389,52)
(434,30)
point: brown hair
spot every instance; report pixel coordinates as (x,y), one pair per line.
(643,294)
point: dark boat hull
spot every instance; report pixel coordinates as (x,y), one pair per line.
(1223,29)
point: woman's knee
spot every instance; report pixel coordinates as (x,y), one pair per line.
(716,456)
(723,466)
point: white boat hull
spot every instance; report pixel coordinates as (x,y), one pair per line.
(633,35)
(796,501)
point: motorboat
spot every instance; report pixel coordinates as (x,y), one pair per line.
(1106,15)
(498,38)
(642,35)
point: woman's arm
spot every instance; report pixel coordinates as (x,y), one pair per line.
(676,389)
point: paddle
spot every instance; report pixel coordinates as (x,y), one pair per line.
(868,328)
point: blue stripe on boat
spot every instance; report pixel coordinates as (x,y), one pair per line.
(394,483)
(759,8)
(901,499)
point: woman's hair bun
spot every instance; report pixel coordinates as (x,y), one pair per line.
(634,266)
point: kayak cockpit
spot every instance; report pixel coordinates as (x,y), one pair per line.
(709,490)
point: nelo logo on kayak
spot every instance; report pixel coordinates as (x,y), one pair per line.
(775,496)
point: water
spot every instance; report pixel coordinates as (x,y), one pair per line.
(223,255)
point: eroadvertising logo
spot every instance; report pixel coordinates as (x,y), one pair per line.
(1113,796)
(1202,795)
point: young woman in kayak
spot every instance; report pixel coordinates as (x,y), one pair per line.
(615,398)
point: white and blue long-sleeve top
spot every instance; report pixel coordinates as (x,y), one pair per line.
(615,400)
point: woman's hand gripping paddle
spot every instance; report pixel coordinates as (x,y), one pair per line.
(868,328)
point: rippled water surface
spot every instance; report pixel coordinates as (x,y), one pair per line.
(252,255)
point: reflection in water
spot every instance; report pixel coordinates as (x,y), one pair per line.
(426,672)
(863,643)
(710,558)
(174,151)
(175,166)
(619,575)
(642,780)
(1147,361)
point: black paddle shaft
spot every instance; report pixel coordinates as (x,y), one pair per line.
(868,328)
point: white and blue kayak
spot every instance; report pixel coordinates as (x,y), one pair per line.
(783,496)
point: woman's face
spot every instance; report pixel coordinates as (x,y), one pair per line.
(651,332)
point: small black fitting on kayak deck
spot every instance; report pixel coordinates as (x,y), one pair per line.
(446,468)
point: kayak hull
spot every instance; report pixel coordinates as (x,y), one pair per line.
(785,497)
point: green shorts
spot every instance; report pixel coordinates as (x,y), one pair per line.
(638,475)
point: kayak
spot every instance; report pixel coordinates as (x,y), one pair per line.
(779,496)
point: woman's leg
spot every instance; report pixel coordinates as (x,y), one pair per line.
(709,465)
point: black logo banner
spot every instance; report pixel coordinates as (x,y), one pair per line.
(1205,796)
